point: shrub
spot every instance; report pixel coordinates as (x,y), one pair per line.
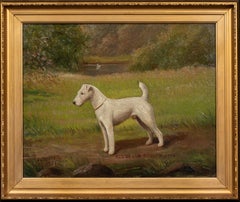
(181,45)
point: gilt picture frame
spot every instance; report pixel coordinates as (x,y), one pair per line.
(224,14)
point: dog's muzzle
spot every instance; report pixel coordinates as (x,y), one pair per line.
(77,104)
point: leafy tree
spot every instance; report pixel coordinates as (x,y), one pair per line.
(54,46)
(34,47)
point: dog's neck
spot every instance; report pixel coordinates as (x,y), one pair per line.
(98,99)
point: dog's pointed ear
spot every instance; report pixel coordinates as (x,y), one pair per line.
(90,88)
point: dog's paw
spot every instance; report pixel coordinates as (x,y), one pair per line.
(111,152)
(105,149)
(149,141)
(160,144)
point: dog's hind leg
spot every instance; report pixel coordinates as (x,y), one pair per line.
(150,125)
(105,137)
(149,132)
(159,135)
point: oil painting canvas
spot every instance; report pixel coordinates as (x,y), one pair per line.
(175,62)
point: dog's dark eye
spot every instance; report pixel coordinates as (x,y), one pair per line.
(82,93)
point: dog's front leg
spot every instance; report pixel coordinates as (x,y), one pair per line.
(110,135)
(105,137)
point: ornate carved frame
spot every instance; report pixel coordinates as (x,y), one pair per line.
(224,14)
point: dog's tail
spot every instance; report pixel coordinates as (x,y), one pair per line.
(144,89)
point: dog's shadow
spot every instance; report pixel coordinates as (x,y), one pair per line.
(169,140)
(129,144)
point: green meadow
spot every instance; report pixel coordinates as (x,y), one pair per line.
(184,107)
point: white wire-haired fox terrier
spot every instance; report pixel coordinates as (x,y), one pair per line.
(110,112)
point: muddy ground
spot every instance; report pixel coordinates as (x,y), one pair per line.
(186,153)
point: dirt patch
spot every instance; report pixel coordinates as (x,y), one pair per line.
(184,152)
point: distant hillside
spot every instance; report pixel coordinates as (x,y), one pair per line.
(121,39)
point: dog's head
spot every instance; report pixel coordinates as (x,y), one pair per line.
(83,95)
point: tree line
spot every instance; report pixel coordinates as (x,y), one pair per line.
(151,46)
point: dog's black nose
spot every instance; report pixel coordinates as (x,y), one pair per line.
(74,102)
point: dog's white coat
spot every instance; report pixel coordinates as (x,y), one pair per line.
(110,112)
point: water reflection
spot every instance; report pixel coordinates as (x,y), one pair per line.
(103,69)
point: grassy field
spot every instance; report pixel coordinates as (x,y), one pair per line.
(57,133)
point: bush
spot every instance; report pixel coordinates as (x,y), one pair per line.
(181,45)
